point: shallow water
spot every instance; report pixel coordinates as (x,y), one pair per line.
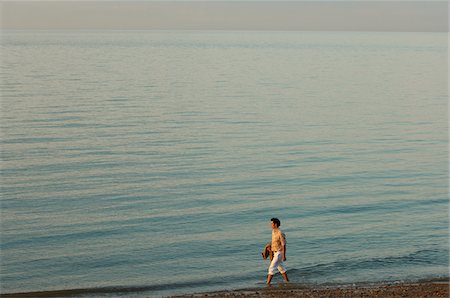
(154,160)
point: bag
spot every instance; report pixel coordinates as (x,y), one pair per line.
(267,252)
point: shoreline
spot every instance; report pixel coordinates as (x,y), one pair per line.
(435,288)
(432,288)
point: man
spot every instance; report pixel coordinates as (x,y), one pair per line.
(279,251)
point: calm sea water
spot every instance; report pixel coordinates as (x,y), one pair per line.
(153,161)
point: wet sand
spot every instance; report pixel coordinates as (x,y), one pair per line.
(422,289)
(428,289)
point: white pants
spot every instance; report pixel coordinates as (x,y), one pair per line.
(277,262)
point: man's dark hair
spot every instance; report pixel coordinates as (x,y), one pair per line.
(276,221)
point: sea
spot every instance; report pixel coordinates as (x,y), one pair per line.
(149,163)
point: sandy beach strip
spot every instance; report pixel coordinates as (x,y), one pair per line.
(425,289)
(422,289)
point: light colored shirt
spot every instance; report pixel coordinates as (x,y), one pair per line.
(278,240)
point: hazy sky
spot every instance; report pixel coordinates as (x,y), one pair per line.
(228,15)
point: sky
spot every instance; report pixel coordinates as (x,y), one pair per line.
(317,15)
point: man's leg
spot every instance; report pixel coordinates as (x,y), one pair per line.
(283,271)
(273,264)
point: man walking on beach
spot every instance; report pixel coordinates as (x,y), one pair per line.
(279,251)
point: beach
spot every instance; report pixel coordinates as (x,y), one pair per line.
(432,289)
(435,288)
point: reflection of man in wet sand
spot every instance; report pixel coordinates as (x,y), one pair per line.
(279,251)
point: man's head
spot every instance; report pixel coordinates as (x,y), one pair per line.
(275,222)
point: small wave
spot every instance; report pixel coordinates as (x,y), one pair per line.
(119,290)
(124,290)
(421,257)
